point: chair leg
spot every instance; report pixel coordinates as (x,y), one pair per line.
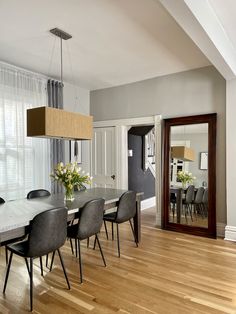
(27,265)
(6,253)
(52,260)
(76,245)
(7,273)
(105,225)
(100,248)
(64,269)
(118,239)
(87,242)
(80,263)
(31,284)
(47,260)
(71,245)
(112,230)
(95,242)
(41,265)
(132,228)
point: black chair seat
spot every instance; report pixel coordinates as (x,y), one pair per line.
(20,248)
(110,217)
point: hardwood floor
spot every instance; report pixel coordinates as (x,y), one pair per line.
(169,273)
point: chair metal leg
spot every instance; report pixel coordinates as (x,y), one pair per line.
(47,260)
(132,228)
(31,284)
(71,245)
(80,263)
(7,273)
(105,225)
(76,245)
(52,260)
(6,253)
(87,242)
(100,248)
(95,242)
(41,265)
(27,265)
(118,239)
(112,231)
(64,269)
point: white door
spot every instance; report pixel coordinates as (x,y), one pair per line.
(104,157)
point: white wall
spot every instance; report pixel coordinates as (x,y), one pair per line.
(77,99)
(230,233)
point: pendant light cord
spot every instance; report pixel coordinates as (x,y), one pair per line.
(61,62)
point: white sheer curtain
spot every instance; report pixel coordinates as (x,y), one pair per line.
(24,161)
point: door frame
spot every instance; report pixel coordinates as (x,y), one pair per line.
(121,138)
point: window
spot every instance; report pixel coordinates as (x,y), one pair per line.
(24,161)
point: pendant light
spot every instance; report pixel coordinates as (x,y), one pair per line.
(47,122)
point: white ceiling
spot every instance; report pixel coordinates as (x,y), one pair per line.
(114,42)
(225,11)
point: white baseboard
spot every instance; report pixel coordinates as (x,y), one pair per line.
(220,229)
(149,202)
(230,233)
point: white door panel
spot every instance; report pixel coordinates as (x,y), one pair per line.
(103,157)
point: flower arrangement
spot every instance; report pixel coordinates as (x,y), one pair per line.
(70,175)
(185,177)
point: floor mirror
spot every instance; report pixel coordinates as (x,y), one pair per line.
(189,187)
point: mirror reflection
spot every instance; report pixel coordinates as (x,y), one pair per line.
(189,175)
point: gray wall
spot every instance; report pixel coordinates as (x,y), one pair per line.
(192,92)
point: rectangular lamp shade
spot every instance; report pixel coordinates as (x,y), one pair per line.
(49,122)
(183,153)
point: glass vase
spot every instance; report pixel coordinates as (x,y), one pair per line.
(69,194)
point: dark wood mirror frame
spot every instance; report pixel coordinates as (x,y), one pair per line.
(168,123)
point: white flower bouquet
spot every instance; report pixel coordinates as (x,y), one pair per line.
(70,175)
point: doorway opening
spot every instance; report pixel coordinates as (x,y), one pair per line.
(142,167)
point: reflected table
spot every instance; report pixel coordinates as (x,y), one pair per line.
(15,216)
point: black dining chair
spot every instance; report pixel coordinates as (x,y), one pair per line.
(35,194)
(47,234)
(126,210)
(90,223)
(38,193)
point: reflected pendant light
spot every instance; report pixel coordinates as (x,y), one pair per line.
(47,122)
(183,153)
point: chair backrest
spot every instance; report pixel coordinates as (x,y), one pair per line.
(205,197)
(127,207)
(190,194)
(38,193)
(48,231)
(2,201)
(199,195)
(90,218)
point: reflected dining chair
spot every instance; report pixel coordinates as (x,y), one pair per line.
(47,234)
(187,202)
(126,210)
(205,202)
(198,201)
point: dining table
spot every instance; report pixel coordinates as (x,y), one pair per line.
(15,216)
